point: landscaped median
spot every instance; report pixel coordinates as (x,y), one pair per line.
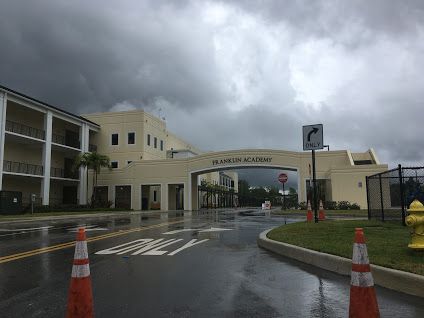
(328,245)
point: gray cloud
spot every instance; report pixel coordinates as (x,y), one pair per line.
(231,74)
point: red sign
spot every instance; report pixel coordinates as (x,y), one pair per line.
(282,177)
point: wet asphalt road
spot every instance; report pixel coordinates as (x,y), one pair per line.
(223,273)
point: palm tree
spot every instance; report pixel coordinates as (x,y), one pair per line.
(94,161)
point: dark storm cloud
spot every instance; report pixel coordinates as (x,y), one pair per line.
(86,55)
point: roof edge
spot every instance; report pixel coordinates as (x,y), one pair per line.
(47,105)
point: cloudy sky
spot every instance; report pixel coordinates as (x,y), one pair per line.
(231,74)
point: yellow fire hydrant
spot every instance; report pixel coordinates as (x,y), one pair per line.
(415,220)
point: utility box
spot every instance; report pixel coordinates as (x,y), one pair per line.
(10,202)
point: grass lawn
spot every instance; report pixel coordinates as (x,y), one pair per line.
(353,213)
(387,242)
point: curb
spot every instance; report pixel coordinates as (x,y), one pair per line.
(408,283)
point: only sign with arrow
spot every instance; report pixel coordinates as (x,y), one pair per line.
(313,137)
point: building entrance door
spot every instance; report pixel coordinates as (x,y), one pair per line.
(123,197)
(70,194)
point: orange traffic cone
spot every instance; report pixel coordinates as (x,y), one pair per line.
(321,215)
(363,300)
(309,216)
(80,298)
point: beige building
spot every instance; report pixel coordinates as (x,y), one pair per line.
(151,167)
(132,136)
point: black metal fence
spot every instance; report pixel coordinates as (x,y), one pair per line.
(212,198)
(390,193)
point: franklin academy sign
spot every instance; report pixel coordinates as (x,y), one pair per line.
(241,160)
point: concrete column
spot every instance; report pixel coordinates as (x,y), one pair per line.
(187,194)
(47,155)
(82,186)
(164,197)
(193,190)
(3,104)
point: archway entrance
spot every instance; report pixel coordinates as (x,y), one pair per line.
(222,195)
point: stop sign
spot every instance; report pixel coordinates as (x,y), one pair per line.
(282,177)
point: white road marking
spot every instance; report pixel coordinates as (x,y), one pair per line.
(156,251)
(129,246)
(88,228)
(214,229)
(149,246)
(187,245)
(154,244)
(26,229)
(178,231)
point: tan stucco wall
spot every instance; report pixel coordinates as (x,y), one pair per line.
(142,124)
(345,184)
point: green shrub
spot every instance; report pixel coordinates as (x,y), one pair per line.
(303,205)
(355,206)
(330,205)
(343,205)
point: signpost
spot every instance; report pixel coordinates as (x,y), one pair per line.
(312,140)
(282,177)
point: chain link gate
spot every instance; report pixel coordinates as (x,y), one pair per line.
(390,193)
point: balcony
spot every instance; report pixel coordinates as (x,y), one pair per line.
(66,141)
(63,173)
(25,130)
(24,168)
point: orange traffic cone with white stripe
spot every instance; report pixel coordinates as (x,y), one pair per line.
(309,216)
(80,298)
(321,215)
(363,299)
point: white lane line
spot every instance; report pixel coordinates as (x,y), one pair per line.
(26,229)
(214,229)
(179,231)
(88,228)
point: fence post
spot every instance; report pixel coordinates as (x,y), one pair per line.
(381,198)
(368,198)
(402,200)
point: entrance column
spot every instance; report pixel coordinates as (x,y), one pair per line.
(47,155)
(83,190)
(3,104)
(193,192)
(164,197)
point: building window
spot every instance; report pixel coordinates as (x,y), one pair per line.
(161,145)
(155,197)
(114,164)
(131,138)
(129,161)
(148,139)
(155,142)
(114,139)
